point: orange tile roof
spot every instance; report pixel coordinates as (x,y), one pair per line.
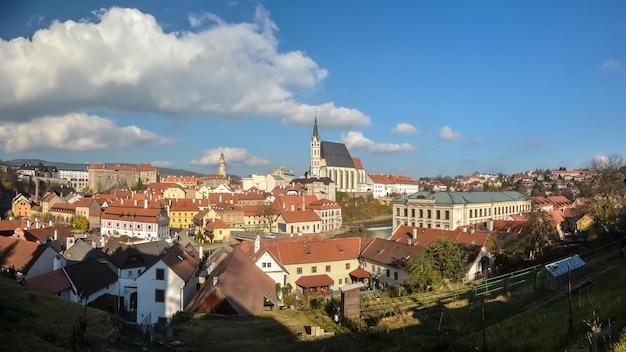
(184,263)
(314,281)
(19,254)
(300,216)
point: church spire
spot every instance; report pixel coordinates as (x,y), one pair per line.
(315,134)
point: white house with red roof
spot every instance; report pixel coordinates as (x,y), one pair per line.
(480,260)
(386,185)
(145,221)
(167,286)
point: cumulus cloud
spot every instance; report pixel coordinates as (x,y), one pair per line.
(233,156)
(356,140)
(447,133)
(404,128)
(74,132)
(611,65)
(125,61)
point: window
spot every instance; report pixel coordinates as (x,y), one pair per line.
(438,214)
(160,274)
(313,269)
(267,265)
(395,275)
(340,281)
(347,266)
(387,273)
(159,295)
(129,273)
(327,268)
(299,271)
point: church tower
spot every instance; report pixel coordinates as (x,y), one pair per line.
(221,169)
(314,169)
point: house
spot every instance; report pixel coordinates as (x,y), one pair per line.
(299,221)
(130,261)
(21,206)
(143,221)
(235,287)
(88,208)
(26,259)
(80,251)
(296,258)
(387,261)
(182,211)
(216,230)
(474,244)
(81,283)
(167,286)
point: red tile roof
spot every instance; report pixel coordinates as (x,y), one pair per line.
(184,263)
(360,273)
(300,216)
(314,281)
(50,283)
(19,254)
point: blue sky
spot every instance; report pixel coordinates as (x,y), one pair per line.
(417,88)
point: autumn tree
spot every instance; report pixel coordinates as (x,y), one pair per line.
(533,236)
(442,261)
(81,223)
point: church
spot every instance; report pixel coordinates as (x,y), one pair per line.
(333,160)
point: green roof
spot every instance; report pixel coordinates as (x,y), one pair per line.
(465,197)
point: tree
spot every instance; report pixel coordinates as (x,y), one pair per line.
(422,273)
(610,175)
(443,260)
(448,259)
(270,214)
(139,186)
(533,235)
(81,223)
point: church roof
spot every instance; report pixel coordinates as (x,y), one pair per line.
(336,154)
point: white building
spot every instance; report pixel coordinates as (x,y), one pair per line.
(450,210)
(389,185)
(167,286)
(78,179)
(144,220)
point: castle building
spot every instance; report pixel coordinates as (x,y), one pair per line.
(333,160)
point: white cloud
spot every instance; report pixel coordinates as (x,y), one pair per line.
(404,128)
(356,140)
(611,65)
(74,132)
(158,163)
(233,157)
(126,62)
(447,133)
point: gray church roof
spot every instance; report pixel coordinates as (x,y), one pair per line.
(336,154)
(465,197)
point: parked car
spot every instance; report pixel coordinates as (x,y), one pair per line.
(270,235)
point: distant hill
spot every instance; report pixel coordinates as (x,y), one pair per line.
(163,171)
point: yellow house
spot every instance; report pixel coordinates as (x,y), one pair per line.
(21,206)
(216,230)
(309,264)
(182,212)
(584,223)
(174,192)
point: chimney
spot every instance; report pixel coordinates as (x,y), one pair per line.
(145,204)
(414,233)
(135,202)
(201,253)
(408,241)
(50,223)
(214,280)
(56,235)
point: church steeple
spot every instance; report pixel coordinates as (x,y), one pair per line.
(315,135)
(316,157)
(221,168)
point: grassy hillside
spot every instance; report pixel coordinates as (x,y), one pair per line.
(31,321)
